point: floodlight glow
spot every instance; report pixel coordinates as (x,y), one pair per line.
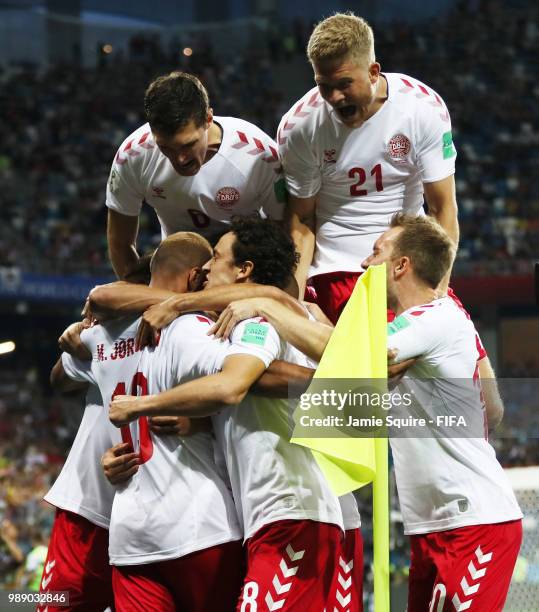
(7,347)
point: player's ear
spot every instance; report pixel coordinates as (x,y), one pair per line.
(374,71)
(209,118)
(196,278)
(402,264)
(245,270)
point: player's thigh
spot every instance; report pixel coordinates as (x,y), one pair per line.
(78,563)
(139,588)
(347,589)
(476,566)
(290,566)
(207,580)
(422,576)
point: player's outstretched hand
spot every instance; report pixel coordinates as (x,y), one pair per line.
(122,409)
(234,313)
(120,463)
(70,341)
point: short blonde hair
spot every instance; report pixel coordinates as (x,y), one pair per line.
(341,35)
(180,252)
(426,243)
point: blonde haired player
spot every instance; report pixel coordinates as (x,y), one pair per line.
(359,147)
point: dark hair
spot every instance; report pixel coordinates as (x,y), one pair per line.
(425,242)
(268,246)
(173,100)
(139,273)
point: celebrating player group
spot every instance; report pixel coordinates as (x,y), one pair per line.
(182,490)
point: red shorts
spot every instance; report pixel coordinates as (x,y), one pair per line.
(465,568)
(347,590)
(78,562)
(333,290)
(208,580)
(290,566)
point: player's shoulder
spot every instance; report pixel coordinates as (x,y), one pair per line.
(413,94)
(187,325)
(440,317)
(138,145)
(246,145)
(255,330)
(303,118)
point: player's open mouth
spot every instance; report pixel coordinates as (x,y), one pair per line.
(347,112)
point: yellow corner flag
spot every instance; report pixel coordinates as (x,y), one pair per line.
(357,349)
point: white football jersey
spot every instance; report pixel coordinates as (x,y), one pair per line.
(362,176)
(445,482)
(271,478)
(350,513)
(81,486)
(178,501)
(243,177)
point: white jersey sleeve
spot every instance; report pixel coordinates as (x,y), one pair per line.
(125,193)
(411,336)
(258,338)
(77,369)
(299,158)
(436,153)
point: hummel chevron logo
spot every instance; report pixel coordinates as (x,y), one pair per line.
(294,556)
(424,93)
(287,571)
(259,147)
(467,589)
(49,566)
(274,605)
(481,557)
(459,607)
(128,149)
(344,601)
(45,582)
(475,573)
(346,584)
(298,112)
(280,588)
(346,568)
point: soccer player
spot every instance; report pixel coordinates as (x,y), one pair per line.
(292,522)
(355,149)
(194,169)
(77,559)
(213,536)
(456,502)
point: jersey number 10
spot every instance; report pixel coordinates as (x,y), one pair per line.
(139,382)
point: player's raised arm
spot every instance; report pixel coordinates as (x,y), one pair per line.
(122,233)
(124,298)
(213,299)
(442,203)
(301,221)
(310,337)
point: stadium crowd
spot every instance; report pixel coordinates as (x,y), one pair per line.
(61,126)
